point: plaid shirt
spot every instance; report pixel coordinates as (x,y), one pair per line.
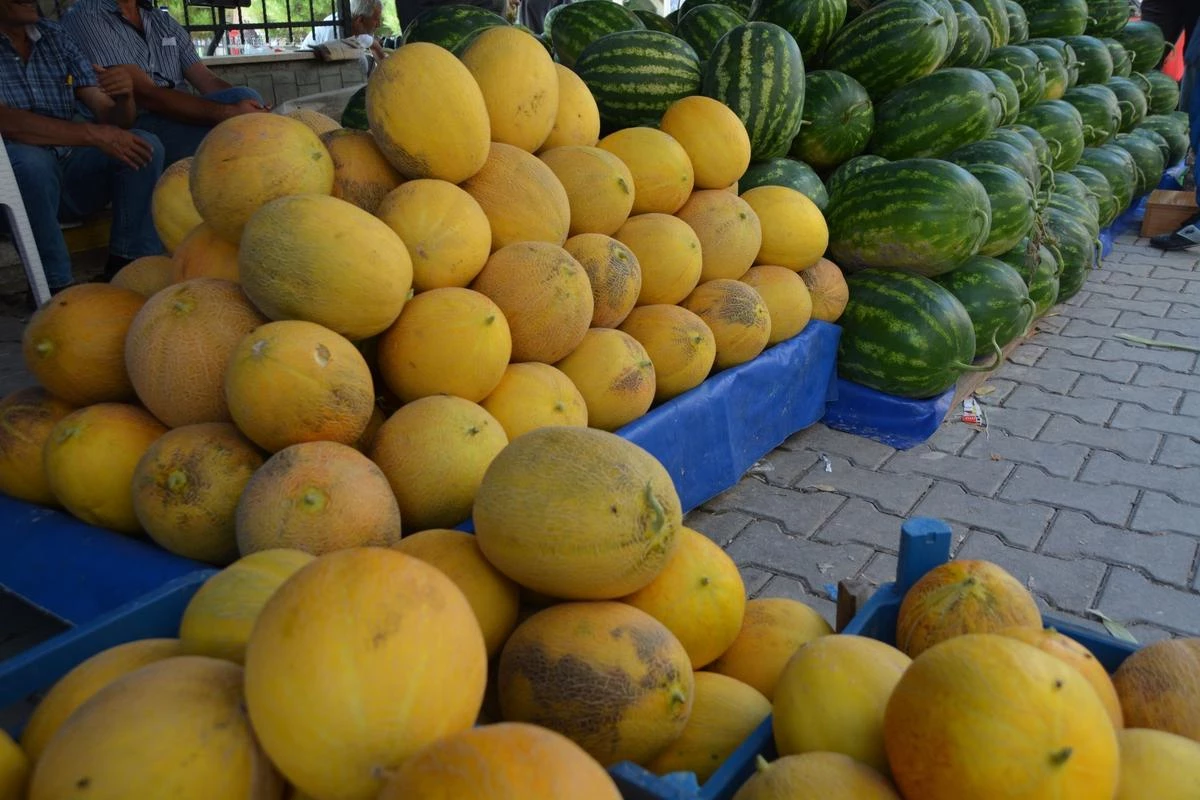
(163,49)
(46,84)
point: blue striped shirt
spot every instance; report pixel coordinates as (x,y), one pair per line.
(45,84)
(162,49)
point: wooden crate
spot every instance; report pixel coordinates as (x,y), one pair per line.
(1167,210)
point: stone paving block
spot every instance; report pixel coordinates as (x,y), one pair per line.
(889,492)
(859,450)
(1183,259)
(880,570)
(1068,584)
(1157,376)
(1076,345)
(1078,300)
(1117,277)
(1148,634)
(754,579)
(1111,504)
(783,586)
(1119,371)
(785,467)
(1172,296)
(1166,557)
(1134,417)
(1158,513)
(1179,451)
(1182,311)
(1152,397)
(1177,360)
(799,512)
(1089,409)
(720,527)
(996,390)
(1057,458)
(1100,316)
(1024,422)
(952,436)
(1057,381)
(1051,323)
(1117,290)
(1089,330)
(1021,525)
(1156,308)
(1191,407)
(1132,322)
(1026,355)
(981,476)
(1130,597)
(1129,265)
(859,521)
(765,545)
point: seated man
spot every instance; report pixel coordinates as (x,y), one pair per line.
(159,57)
(365,16)
(64,164)
(1188,234)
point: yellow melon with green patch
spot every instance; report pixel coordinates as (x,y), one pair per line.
(577,121)
(729,232)
(831,776)
(598,184)
(146,275)
(794,233)
(828,290)
(663,176)
(713,136)
(27,416)
(789,305)
(737,316)
(680,345)
(361,175)
(773,629)
(668,253)
(447,235)
(614,273)
(205,254)
(615,376)
(522,197)
(534,395)
(519,84)
(171,205)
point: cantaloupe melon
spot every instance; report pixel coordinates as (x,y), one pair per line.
(317,497)
(533,395)
(729,232)
(577,121)
(448,140)
(294,381)
(1072,652)
(1157,764)
(419,669)
(577,513)
(434,452)
(713,136)
(615,376)
(171,205)
(545,295)
(794,233)
(180,344)
(324,260)
(680,345)
(219,617)
(662,172)
(90,458)
(14,769)
(828,290)
(1159,687)
(773,629)
(26,418)
(519,84)
(314,120)
(613,272)
(522,198)
(75,344)
(737,316)
(494,598)
(786,297)
(249,160)
(827,776)
(146,275)
(598,184)
(204,254)
(361,175)
(446,341)
(668,252)
(447,235)
(606,675)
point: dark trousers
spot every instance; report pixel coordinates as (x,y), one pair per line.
(1173,16)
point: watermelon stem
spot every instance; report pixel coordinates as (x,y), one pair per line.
(999,359)
(1128,337)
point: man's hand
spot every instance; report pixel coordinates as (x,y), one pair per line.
(246,106)
(116,82)
(128,148)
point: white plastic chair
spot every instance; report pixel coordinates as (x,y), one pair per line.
(22,233)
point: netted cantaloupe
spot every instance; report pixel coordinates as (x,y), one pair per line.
(186,489)
(986,716)
(1159,687)
(1157,764)
(729,232)
(533,395)
(577,513)
(434,452)
(522,198)
(316,497)
(219,617)
(448,140)
(598,184)
(1072,652)
(519,84)
(699,596)
(75,344)
(577,121)
(615,376)
(663,177)
(494,598)
(786,297)
(447,234)
(249,160)
(26,418)
(827,776)
(737,316)
(828,290)
(324,260)
(680,345)
(294,381)
(544,294)
(174,728)
(606,675)
(713,136)
(419,671)
(90,458)
(180,344)
(314,120)
(613,272)
(773,629)
(171,205)
(14,769)
(668,253)
(794,233)
(361,175)
(446,341)
(145,275)
(205,254)
(831,697)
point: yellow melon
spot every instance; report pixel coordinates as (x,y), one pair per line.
(26,418)
(773,629)
(713,136)
(145,275)
(373,425)
(737,316)
(90,458)
(789,305)
(448,140)
(533,395)
(613,272)
(663,177)
(75,344)
(1072,652)
(361,175)
(986,716)
(819,776)
(446,341)
(519,84)
(577,513)
(419,669)
(577,121)
(316,497)
(729,232)
(447,235)
(828,290)
(598,184)
(315,121)
(494,598)
(204,254)
(180,344)
(434,452)
(251,159)
(606,675)
(522,198)
(171,205)
(1159,687)
(615,376)
(544,294)
(699,596)
(1156,765)
(668,253)
(219,617)
(794,233)
(14,769)
(680,345)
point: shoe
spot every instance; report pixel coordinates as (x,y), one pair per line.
(1187,236)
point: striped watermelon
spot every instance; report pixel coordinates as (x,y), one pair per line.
(1095,61)
(1022,65)
(1074,249)
(703,27)
(1056,17)
(653,21)
(995,297)
(1131,100)
(1008,93)
(890,45)
(1054,70)
(1028,142)
(1020,159)
(354,115)
(1107,17)
(635,75)
(973,43)
(995,18)
(1122,63)
(812,23)
(757,71)
(1098,108)
(1039,270)
(1013,206)
(838,120)
(1168,128)
(838,179)
(1066,52)
(1097,186)
(932,116)
(1159,142)
(1164,93)
(1018,23)
(1118,168)
(946,9)
(1146,157)
(1145,44)
(786,172)
(904,335)
(1073,196)
(1061,126)
(742,7)
(923,215)
(448,26)
(572,27)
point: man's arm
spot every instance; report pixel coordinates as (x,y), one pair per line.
(30,128)
(204,80)
(179,105)
(111,101)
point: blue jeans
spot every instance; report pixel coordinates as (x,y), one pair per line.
(182,138)
(81,182)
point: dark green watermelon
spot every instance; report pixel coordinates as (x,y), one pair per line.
(1095,62)
(1144,42)
(1148,159)
(572,27)
(946,9)
(1056,18)
(1069,187)
(1008,93)
(1037,267)
(1122,63)
(974,41)
(1098,187)
(1053,68)
(1074,248)
(1022,65)
(1061,126)
(1013,206)
(1002,154)
(1168,128)
(1118,168)
(1107,17)
(1066,52)
(703,27)
(354,116)
(740,6)
(995,297)
(1018,23)
(838,120)
(786,172)
(1098,108)
(1164,93)
(842,175)
(812,23)
(995,18)
(890,45)
(1130,99)
(448,26)
(634,76)
(1033,139)
(1159,141)
(653,21)
(932,116)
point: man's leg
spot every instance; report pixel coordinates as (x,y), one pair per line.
(1188,234)
(1168,15)
(39,179)
(180,139)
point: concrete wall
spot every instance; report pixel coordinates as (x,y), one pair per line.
(282,78)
